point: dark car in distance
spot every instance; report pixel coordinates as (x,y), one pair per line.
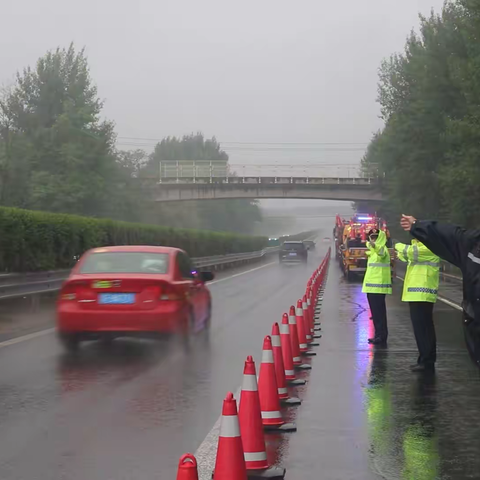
(293,252)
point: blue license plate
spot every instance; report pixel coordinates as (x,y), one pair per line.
(116,298)
(293,254)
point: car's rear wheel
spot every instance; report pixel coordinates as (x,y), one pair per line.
(70,342)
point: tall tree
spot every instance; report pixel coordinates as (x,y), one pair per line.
(429,98)
(57,154)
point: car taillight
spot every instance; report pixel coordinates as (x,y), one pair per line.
(69,296)
(74,291)
(169,293)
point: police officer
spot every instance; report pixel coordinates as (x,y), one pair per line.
(420,289)
(378,283)
(460,247)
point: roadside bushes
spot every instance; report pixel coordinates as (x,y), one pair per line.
(33,241)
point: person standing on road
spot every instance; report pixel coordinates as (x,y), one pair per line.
(461,247)
(378,283)
(420,290)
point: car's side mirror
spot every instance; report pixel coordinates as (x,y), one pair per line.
(206,276)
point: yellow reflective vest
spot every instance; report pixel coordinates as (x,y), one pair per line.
(378,277)
(422,278)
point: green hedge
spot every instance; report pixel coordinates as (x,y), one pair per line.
(33,241)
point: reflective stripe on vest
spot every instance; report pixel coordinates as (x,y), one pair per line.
(378,264)
(415,253)
(381,252)
(405,252)
(379,285)
(432,291)
(429,264)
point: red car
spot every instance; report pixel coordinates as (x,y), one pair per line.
(140,291)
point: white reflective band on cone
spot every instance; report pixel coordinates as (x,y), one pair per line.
(290,372)
(308,302)
(284,330)
(299,312)
(304,305)
(249,383)
(292,320)
(282,390)
(276,341)
(255,456)
(308,337)
(267,415)
(296,359)
(267,356)
(229,427)
(302,345)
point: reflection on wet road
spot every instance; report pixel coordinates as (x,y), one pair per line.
(130,410)
(366,416)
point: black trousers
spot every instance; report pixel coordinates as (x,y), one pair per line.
(421,314)
(378,308)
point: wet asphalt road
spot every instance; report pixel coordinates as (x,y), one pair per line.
(130,411)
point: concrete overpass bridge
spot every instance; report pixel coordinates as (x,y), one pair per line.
(192,182)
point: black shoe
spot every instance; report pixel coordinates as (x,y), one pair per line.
(423,367)
(378,341)
(371,340)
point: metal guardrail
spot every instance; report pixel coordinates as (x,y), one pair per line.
(21,285)
(218,260)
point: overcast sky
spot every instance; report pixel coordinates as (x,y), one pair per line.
(245,71)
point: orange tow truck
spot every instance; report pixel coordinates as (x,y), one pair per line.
(350,243)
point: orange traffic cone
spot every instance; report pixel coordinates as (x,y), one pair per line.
(297,360)
(268,392)
(308,322)
(251,428)
(230,462)
(301,331)
(287,353)
(313,314)
(187,468)
(280,369)
(292,321)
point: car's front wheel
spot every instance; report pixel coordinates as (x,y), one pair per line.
(188,331)
(208,318)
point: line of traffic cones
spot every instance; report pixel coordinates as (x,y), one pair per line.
(241,450)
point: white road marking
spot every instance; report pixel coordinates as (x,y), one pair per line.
(241,273)
(48,331)
(444,300)
(24,338)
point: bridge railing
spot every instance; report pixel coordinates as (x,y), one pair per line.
(269,180)
(181,171)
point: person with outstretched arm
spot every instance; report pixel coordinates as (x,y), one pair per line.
(377,283)
(420,290)
(460,247)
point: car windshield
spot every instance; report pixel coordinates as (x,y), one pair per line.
(125,262)
(293,246)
